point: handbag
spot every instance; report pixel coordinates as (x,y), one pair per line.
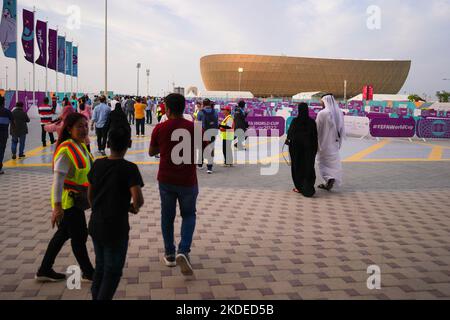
(80,200)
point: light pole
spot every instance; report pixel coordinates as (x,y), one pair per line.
(106,48)
(29,80)
(241,71)
(6,84)
(148,82)
(138,67)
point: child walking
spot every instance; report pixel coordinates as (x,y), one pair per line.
(114,184)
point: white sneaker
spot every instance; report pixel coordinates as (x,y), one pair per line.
(210,172)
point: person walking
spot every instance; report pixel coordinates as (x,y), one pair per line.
(149,111)
(100,120)
(46,113)
(331,132)
(130,110)
(19,131)
(227,135)
(71,165)
(139,114)
(6,119)
(303,144)
(240,120)
(209,118)
(177,182)
(114,183)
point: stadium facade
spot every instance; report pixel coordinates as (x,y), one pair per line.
(281,76)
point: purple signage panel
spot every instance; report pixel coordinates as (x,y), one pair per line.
(433,129)
(266,126)
(27,98)
(392,128)
(374,115)
(356,105)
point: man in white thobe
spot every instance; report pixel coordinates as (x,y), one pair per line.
(331,132)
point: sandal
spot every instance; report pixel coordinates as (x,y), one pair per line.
(330,184)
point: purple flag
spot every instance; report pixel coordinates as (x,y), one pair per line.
(41,36)
(28,35)
(52,48)
(8,28)
(75,62)
(61,54)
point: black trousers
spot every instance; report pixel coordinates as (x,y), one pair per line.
(4,134)
(102,137)
(73,226)
(44,136)
(140,127)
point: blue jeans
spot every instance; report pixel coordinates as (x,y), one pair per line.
(15,141)
(187,197)
(109,261)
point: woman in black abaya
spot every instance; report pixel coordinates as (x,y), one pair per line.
(303,145)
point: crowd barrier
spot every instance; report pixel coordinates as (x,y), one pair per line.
(377,127)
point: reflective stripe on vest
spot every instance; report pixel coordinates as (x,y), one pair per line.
(82,163)
(227,134)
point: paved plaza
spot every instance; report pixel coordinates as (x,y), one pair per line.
(255,238)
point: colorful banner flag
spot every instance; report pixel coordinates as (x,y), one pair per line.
(61,54)
(75,62)
(28,35)
(41,37)
(52,48)
(69,58)
(8,28)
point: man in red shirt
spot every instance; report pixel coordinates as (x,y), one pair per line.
(177,178)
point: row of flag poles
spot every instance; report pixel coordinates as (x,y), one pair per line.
(55,52)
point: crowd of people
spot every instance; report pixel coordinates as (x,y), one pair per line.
(112,186)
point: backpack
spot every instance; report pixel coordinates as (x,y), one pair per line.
(210,120)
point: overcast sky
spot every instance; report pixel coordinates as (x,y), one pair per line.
(170,36)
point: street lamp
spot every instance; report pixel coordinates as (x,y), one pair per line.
(138,67)
(241,71)
(148,82)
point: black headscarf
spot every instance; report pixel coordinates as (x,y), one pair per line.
(303,113)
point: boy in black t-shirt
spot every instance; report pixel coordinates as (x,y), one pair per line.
(114,182)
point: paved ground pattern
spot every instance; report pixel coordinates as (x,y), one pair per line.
(257,240)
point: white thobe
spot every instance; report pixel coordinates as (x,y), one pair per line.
(328,157)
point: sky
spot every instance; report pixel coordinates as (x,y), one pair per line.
(170,36)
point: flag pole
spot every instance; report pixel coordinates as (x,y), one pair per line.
(78,66)
(65,65)
(34,62)
(56,69)
(106,48)
(46,59)
(71,71)
(17,55)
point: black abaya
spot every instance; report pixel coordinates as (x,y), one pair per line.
(303,145)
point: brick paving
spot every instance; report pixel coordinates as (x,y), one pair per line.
(265,244)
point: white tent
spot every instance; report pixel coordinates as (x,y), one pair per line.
(384,97)
(440,106)
(308,95)
(226,95)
